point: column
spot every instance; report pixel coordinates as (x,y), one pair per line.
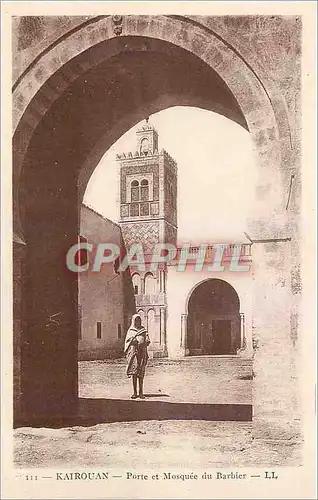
(183,340)
(157,320)
(163,281)
(142,285)
(163,337)
(242,331)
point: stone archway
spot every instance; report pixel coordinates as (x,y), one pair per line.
(213,320)
(76,98)
(60,64)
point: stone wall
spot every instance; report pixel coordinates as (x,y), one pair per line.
(19,249)
(104,296)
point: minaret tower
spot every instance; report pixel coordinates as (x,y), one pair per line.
(148,192)
(148,215)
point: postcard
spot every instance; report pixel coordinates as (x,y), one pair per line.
(158,250)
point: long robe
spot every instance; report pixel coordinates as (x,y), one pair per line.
(136,352)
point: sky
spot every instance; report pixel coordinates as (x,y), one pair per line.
(216,174)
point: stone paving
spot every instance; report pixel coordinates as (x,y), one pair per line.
(199,379)
(113,431)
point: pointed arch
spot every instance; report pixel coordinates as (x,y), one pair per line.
(214,321)
(136,281)
(151,287)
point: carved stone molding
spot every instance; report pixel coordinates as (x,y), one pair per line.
(117,22)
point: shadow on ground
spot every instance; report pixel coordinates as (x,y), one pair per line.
(157,395)
(93,411)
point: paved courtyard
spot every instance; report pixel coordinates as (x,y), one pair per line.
(196,413)
(195,379)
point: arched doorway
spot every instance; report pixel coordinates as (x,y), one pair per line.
(67,112)
(213,325)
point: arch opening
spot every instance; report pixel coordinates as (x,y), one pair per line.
(213,322)
(67,144)
(150,284)
(136,281)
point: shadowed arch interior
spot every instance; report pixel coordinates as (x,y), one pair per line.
(213,319)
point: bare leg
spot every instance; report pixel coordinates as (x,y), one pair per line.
(134,378)
(141,391)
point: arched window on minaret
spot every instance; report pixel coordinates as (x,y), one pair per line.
(136,281)
(144,146)
(143,317)
(144,190)
(151,326)
(135,191)
(150,284)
